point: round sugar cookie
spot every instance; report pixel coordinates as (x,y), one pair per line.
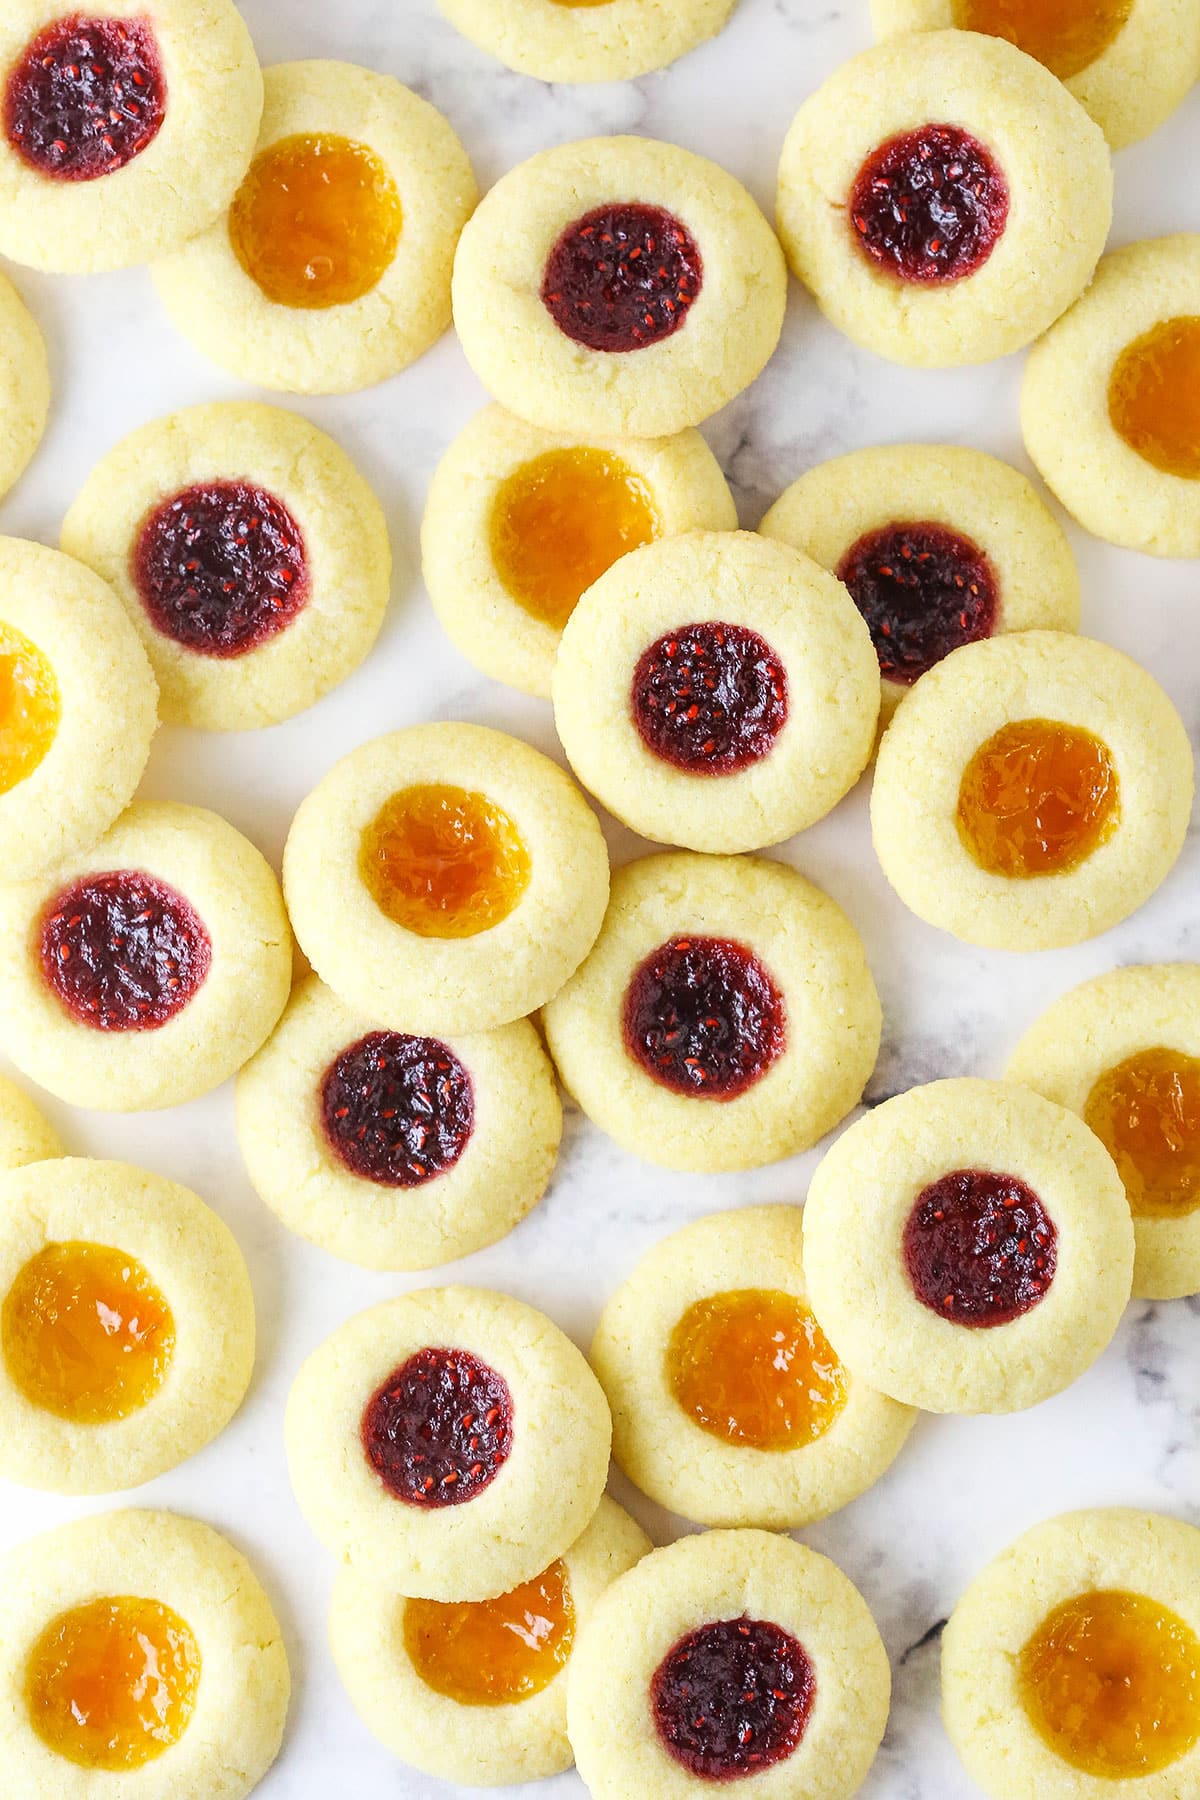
(939,546)
(330,270)
(1071,1665)
(448,1444)
(718,691)
(520,521)
(475,1691)
(146,971)
(249,552)
(968,1247)
(725,1019)
(944,198)
(562,40)
(167,1629)
(126,127)
(618,285)
(1031,791)
(774,1643)
(24,385)
(26,1135)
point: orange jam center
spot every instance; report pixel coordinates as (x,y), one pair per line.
(29,707)
(112,1684)
(493,1652)
(1037,798)
(86,1334)
(754,1367)
(1146,1113)
(444,862)
(560,521)
(1111,1681)
(1154,396)
(1066,35)
(316,221)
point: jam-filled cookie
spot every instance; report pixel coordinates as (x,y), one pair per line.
(726,1017)
(250,553)
(475,1691)
(140,1656)
(125,127)
(1071,1665)
(126,1326)
(736,1657)
(968,1247)
(944,198)
(449,1444)
(148,970)
(520,521)
(26,1135)
(331,268)
(24,385)
(587,40)
(939,547)
(1110,404)
(446,878)
(717,691)
(1031,791)
(618,285)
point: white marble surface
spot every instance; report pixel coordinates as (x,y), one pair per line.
(1130,1431)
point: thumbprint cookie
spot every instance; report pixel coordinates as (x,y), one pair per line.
(944,198)
(725,1019)
(147,971)
(968,1247)
(26,1135)
(587,40)
(519,522)
(24,385)
(330,269)
(618,285)
(449,1444)
(717,691)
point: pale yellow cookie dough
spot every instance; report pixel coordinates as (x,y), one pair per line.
(26,1135)
(24,385)
(558,40)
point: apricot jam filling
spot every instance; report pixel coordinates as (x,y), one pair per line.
(1110,1681)
(1068,36)
(1146,1113)
(316,221)
(439,1429)
(1154,396)
(122,951)
(733,1698)
(929,206)
(559,521)
(703,1017)
(710,698)
(494,1652)
(30,707)
(753,1367)
(980,1249)
(1037,798)
(923,590)
(397,1110)
(622,277)
(444,862)
(85,97)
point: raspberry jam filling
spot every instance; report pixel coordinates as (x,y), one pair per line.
(122,951)
(1037,798)
(30,706)
(622,277)
(704,1017)
(220,568)
(494,1652)
(85,97)
(1146,1113)
(753,1367)
(439,1429)
(710,698)
(929,205)
(924,590)
(444,862)
(1154,396)
(397,1110)
(980,1248)
(733,1698)
(1067,35)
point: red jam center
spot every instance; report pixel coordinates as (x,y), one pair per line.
(709,698)
(923,591)
(622,277)
(980,1249)
(733,1698)
(221,568)
(929,205)
(703,1016)
(86,97)
(439,1429)
(122,951)
(397,1110)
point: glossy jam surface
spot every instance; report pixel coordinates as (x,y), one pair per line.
(30,707)
(444,862)
(1154,396)
(316,222)
(980,1248)
(929,206)
(397,1110)
(753,1367)
(85,97)
(1111,1681)
(622,277)
(112,1684)
(924,591)
(123,951)
(494,1652)
(710,698)
(439,1429)
(221,568)
(560,521)
(1066,35)
(1146,1113)
(733,1698)
(1037,798)
(703,1017)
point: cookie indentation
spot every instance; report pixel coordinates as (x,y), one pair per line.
(397,1110)
(1146,1113)
(494,1652)
(122,951)
(753,1367)
(924,591)
(704,1017)
(444,862)
(733,1698)
(439,1429)
(622,277)
(1154,396)
(980,1249)
(30,707)
(709,698)
(85,97)
(930,205)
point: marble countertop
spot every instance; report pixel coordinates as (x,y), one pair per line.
(1129,1432)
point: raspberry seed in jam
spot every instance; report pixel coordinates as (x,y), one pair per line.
(980,1248)
(929,205)
(709,698)
(86,97)
(923,590)
(439,1429)
(703,1017)
(622,277)
(733,1698)
(122,951)
(397,1110)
